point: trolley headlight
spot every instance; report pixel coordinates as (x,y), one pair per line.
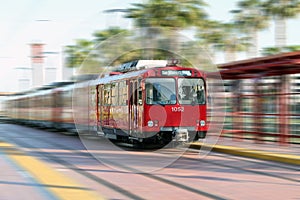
(202,123)
(150,123)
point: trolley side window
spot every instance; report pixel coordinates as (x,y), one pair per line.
(160,91)
(106,101)
(191,91)
(122,93)
(114,94)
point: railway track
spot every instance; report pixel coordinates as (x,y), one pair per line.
(187,178)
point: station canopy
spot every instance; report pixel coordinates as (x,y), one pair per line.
(275,65)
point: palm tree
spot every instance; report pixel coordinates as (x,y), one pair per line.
(103,35)
(82,55)
(91,56)
(210,35)
(292,48)
(276,50)
(281,10)
(175,15)
(250,19)
(115,45)
(223,37)
(267,51)
(232,42)
(76,54)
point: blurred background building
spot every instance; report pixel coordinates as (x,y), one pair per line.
(37,64)
(45,67)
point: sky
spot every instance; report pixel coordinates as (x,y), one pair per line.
(58,23)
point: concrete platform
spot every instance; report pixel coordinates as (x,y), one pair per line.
(288,154)
(25,177)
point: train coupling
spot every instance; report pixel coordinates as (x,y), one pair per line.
(180,135)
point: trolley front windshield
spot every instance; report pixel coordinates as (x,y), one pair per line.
(160,91)
(163,91)
(191,91)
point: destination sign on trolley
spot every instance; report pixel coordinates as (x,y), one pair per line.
(176,73)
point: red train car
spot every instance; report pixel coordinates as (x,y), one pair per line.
(156,105)
(48,106)
(144,101)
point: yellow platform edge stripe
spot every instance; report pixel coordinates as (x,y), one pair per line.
(57,183)
(264,155)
